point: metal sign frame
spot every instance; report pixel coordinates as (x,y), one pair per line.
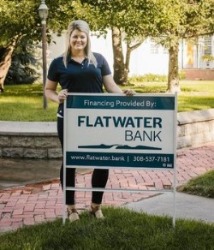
(143,135)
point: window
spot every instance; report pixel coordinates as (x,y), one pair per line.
(207,45)
(154,48)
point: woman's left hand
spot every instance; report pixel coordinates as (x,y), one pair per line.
(129,92)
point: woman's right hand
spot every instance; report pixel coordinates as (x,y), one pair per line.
(62,95)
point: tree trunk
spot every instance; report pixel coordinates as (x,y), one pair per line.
(5,60)
(128,56)
(173,76)
(119,67)
(126,69)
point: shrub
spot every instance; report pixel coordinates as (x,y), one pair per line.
(149,78)
(24,68)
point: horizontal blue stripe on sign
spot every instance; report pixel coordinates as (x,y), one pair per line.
(121,102)
(132,160)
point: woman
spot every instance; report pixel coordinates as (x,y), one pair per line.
(80,70)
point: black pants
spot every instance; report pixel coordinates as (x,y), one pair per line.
(99,176)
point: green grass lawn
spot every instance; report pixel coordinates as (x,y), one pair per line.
(25,102)
(195,95)
(121,229)
(202,185)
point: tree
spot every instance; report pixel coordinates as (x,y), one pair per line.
(6,55)
(130,22)
(25,66)
(166,21)
(20,22)
(16,23)
(178,20)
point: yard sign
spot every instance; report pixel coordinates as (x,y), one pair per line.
(120,131)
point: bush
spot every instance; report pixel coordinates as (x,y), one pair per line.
(24,68)
(149,78)
(182,75)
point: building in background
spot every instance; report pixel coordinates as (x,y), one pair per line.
(196,60)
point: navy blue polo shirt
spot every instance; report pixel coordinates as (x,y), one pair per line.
(79,77)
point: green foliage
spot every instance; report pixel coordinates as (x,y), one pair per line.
(22,18)
(149,78)
(182,75)
(135,18)
(166,21)
(18,18)
(183,19)
(121,229)
(208,58)
(153,78)
(25,67)
(20,23)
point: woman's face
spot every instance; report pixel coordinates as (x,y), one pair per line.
(78,40)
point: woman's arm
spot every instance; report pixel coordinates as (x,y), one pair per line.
(51,93)
(112,87)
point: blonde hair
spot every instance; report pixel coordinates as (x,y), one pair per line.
(82,26)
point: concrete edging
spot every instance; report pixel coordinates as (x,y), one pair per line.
(195,128)
(38,140)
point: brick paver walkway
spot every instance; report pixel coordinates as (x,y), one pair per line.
(44,201)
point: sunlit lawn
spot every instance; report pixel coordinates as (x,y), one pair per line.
(25,102)
(195,95)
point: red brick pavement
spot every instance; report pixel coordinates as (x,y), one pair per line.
(41,202)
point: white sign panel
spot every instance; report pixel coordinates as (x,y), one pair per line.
(105,130)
